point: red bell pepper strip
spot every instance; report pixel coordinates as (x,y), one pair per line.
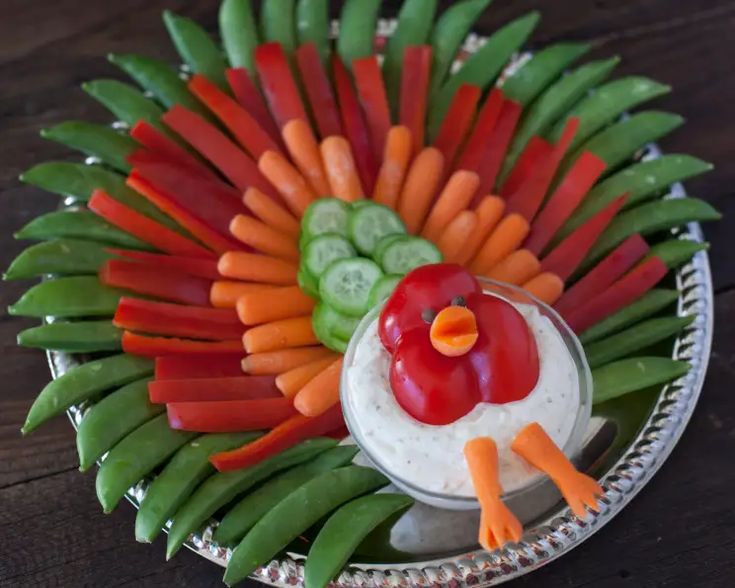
(251,136)
(374,100)
(144,228)
(145,346)
(564,200)
(229,415)
(192,266)
(457,122)
(279,86)
(603,275)
(537,150)
(625,291)
(497,146)
(289,433)
(156,282)
(248,95)
(189,367)
(564,259)
(213,389)
(487,119)
(415,77)
(318,90)
(354,125)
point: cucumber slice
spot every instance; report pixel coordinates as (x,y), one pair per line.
(326,215)
(307,283)
(360,203)
(382,245)
(368,224)
(383,288)
(334,322)
(408,253)
(347,283)
(324,250)
(320,322)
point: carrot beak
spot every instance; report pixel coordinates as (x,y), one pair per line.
(454,331)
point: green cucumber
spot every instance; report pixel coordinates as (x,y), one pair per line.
(324,250)
(383,288)
(326,215)
(408,253)
(368,224)
(347,283)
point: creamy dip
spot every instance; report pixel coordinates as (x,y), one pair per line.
(431,457)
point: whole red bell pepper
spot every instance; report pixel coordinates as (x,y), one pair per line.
(229,415)
(279,86)
(213,389)
(318,90)
(188,367)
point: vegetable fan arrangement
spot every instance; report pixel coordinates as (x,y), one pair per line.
(226,239)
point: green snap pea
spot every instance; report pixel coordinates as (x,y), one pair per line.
(239,32)
(277,23)
(104,143)
(633,374)
(542,69)
(357,29)
(223,487)
(634,339)
(70,297)
(196,47)
(61,257)
(312,24)
(124,101)
(84,382)
(111,419)
(136,456)
(178,479)
(676,252)
(78,224)
(343,532)
(241,518)
(482,67)
(296,513)
(647,305)
(73,337)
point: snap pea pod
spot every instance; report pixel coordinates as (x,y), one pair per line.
(61,257)
(178,479)
(84,382)
(136,456)
(241,518)
(78,224)
(104,143)
(296,513)
(223,487)
(448,35)
(634,339)
(277,23)
(126,102)
(484,66)
(74,296)
(113,418)
(676,252)
(239,32)
(74,337)
(647,305)
(312,25)
(343,532)
(357,24)
(542,69)
(196,48)
(633,374)
(640,181)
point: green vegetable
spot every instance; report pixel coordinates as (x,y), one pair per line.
(346,285)
(239,32)
(62,257)
(76,337)
(328,320)
(357,24)
(383,288)
(325,215)
(676,252)
(312,25)
(405,254)
(277,23)
(125,102)
(368,224)
(323,320)
(322,251)
(636,373)
(308,283)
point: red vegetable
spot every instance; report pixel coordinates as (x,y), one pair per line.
(229,415)
(318,90)
(213,389)
(487,119)
(145,346)
(457,122)
(415,77)
(497,146)
(250,98)
(374,101)
(188,367)
(278,84)
(192,266)
(536,151)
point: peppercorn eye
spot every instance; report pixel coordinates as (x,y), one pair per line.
(428,315)
(459,301)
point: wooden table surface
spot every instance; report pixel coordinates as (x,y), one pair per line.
(677,532)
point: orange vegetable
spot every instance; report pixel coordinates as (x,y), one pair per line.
(504,240)
(263,238)
(272,363)
(344,181)
(264,306)
(253,267)
(270,212)
(304,151)
(290,184)
(282,334)
(421,184)
(519,267)
(455,236)
(454,331)
(290,382)
(454,198)
(321,393)
(547,287)
(396,157)
(225,293)
(489,212)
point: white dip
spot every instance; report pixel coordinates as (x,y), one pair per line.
(430,457)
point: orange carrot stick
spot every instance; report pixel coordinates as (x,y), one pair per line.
(290,184)
(290,382)
(454,238)
(547,287)
(396,157)
(454,331)
(282,334)
(419,188)
(339,163)
(225,293)
(489,212)
(270,212)
(321,393)
(517,268)
(504,240)
(256,308)
(263,238)
(454,198)
(272,363)
(304,151)
(253,267)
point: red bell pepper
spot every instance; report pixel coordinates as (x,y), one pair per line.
(229,415)
(564,200)
(189,367)
(145,346)
(374,101)
(415,77)
(248,95)
(156,282)
(251,136)
(604,274)
(625,291)
(279,86)
(487,119)
(457,122)
(213,389)
(497,146)
(287,434)
(192,266)
(564,259)
(537,150)
(318,90)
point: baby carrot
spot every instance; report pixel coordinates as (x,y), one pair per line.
(454,198)
(272,363)
(283,334)
(454,237)
(421,184)
(503,241)
(517,268)
(489,212)
(264,306)
(547,287)
(339,163)
(321,393)
(225,293)
(396,157)
(253,267)
(290,382)
(304,150)
(290,184)
(270,212)
(263,238)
